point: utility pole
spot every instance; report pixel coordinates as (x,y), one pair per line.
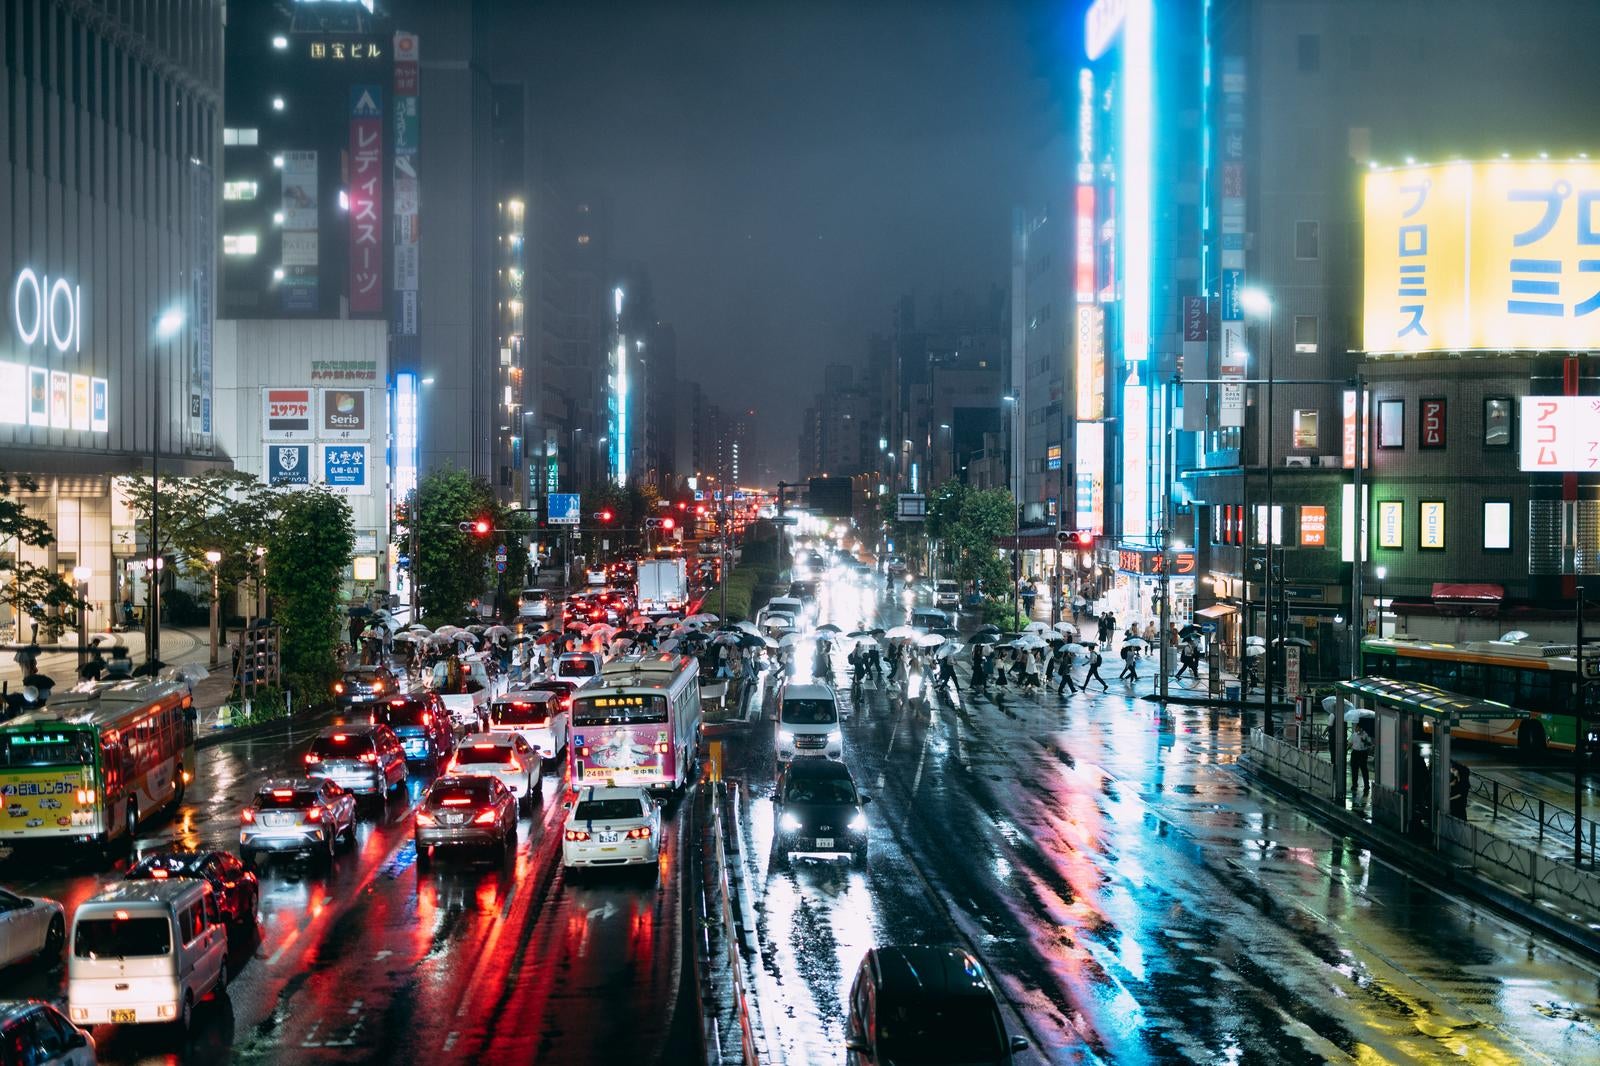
(1580,733)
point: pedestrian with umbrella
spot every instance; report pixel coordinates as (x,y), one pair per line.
(1130,660)
(980,670)
(1030,671)
(895,654)
(1002,657)
(1188,659)
(1066,672)
(947,673)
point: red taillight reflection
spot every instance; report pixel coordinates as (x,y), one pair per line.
(641,833)
(247,816)
(369,756)
(313,814)
(577,834)
(484,818)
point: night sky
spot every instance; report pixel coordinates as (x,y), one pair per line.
(787,171)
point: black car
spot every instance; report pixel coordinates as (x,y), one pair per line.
(804,591)
(237,891)
(925,1004)
(819,814)
(363,684)
(421,722)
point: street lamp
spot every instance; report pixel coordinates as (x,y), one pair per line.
(214,558)
(81,575)
(1380,573)
(164,326)
(1256,303)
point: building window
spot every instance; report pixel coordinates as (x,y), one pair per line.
(238,190)
(1308,53)
(1305,428)
(1497,422)
(1307,236)
(1277,524)
(239,244)
(1052,457)
(1391,423)
(241,137)
(1496,525)
(1430,525)
(1305,334)
(1430,423)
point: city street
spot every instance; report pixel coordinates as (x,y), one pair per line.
(474,961)
(1136,898)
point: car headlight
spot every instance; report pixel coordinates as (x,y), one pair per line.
(835,737)
(788,823)
(858,824)
(786,737)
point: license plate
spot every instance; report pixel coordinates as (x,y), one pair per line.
(824,842)
(608,838)
(121,1016)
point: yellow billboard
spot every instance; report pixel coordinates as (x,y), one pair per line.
(1497,256)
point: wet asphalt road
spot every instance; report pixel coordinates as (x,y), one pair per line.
(477,960)
(1136,899)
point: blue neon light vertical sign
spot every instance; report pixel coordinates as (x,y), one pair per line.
(407,438)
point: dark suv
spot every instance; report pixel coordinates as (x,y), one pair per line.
(421,722)
(361,758)
(362,684)
(925,1004)
(819,814)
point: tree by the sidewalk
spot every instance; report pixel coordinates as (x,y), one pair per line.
(28,587)
(225,511)
(308,550)
(450,566)
(967,525)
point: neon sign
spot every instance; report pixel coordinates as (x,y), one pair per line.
(47,310)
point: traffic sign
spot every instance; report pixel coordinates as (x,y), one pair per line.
(786,520)
(500,556)
(500,566)
(913,507)
(562,509)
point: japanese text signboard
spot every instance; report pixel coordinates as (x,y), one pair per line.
(1473,256)
(366,199)
(1560,433)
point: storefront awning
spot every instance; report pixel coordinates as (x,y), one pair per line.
(1216,610)
(1459,592)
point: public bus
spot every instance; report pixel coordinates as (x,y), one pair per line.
(639,726)
(90,766)
(1541,679)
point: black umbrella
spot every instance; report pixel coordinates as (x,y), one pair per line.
(750,640)
(828,627)
(985,638)
(1009,636)
(1188,631)
(862,634)
(986,628)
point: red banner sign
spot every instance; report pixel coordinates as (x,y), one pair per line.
(1433,423)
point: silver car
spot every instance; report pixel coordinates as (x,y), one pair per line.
(368,759)
(307,816)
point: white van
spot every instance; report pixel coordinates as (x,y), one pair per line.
(146,951)
(808,724)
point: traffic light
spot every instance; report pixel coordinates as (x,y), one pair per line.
(478,527)
(669,524)
(700,510)
(605,515)
(682,505)
(657,523)
(1076,539)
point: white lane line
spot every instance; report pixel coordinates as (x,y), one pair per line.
(922,757)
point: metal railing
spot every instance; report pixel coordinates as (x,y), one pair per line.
(1296,766)
(730,918)
(1539,876)
(1545,815)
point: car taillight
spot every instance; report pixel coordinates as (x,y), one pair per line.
(313,814)
(584,751)
(159,875)
(338,687)
(427,717)
(424,818)
(641,833)
(377,686)
(369,756)
(312,758)
(86,796)
(484,818)
(248,815)
(566,703)
(662,748)
(577,834)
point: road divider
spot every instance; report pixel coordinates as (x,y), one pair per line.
(725,935)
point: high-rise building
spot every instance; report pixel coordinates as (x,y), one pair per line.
(1041,340)
(108,223)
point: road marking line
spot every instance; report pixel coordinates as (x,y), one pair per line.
(450,1040)
(922,757)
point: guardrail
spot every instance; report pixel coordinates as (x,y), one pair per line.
(1546,815)
(1538,875)
(730,920)
(1296,766)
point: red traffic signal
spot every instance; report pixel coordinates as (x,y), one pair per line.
(669,524)
(682,506)
(606,515)
(700,509)
(478,527)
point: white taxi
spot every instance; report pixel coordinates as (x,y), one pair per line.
(611,827)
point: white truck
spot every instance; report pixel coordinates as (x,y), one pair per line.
(661,586)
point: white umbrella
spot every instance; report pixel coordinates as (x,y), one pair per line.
(1029,642)
(409,638)
(1135,642)
(190,672)
(1355,714)
(702,618)
(1036,627)
(1254,651)
(903,633)
(669,645)
(789,640)
(778,621)
(1514,636)
(929,640)
(1260,642)
(769,642)
(418,627)
(497,631)
(748,627)
(1065,627)
(949,650)
(638,620)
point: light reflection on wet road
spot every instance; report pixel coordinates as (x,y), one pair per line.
(475,961)
(1136,899)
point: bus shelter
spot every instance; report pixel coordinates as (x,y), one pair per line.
(1408,790)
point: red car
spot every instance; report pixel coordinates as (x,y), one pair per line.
(237,891)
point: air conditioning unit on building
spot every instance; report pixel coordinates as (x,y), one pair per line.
(1330,460)
(1297,460)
